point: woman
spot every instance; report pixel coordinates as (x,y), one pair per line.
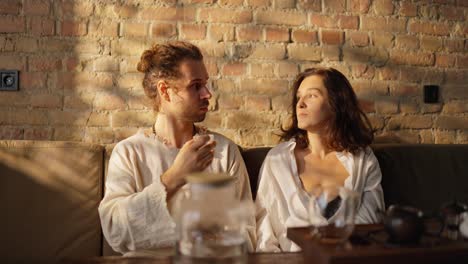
(326,145)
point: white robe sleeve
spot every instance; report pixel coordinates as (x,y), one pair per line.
(238,170)
(267,241)
(133,220)
(372,200)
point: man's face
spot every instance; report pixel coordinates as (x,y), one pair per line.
(189,99)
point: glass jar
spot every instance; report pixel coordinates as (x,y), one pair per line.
(211,221)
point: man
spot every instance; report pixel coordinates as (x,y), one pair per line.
(147,170)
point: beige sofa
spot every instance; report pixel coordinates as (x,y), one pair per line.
(50,191)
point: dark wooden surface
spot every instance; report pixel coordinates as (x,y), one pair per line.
(369,244)
(257,258)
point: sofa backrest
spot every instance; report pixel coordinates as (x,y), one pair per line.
(424,176)
(49,193)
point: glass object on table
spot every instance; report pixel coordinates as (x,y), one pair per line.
(331,213)
(211,222)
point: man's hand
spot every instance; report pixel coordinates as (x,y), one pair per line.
(194,156)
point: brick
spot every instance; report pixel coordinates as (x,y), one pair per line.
(44,64)
(26,45)
(271,51)
(264,86)
(331,53)
(456,77)
(383,7)
(250,119)
(277,34)
(452,13)
(199,1)
(14,99)
(360,6)
(36,7)
(348,22)
(454,45)
(408,9)
(99,119)
(259,3)
(408,106)
(431,43)
(406,89)
(281,102)
(225,86)
(213,119)
(455,107)
(66,133)
(438,29)
(377,122)
(281,18)
(356,55)
(332,37)
(262,70)
(56,45)
(250,33)
(174,14)
(283,4)
(368,106)
(193,32)
(7,132)
(431,108)
(126,11)
(309,53)
(221,32)
(75,9)
(304,36)
(230,102)
(287,69)
(462,137)
(334,6)
(163,30)
(76,118)
(257,103)
(419,59)
(10,7)
(462,61)
(128,65)
(388,73)
(259,137)
(409,122)
(46,101)
(6,44)
(123,133)
(383,24)
(451,122)
(445,61)
(134,29)
(12,24)
(434,76)
(230,3)
(382,39)
(212,49)
(92,47)
(386,106)
(79,102)
(99,135)
(358,39)
(323,21)
(312,5)
(73,28)
(444,137)
(42,26)
(400,136)
(363,71)
(127,47)
(103,28)
(224,15)
(105,64)
(28,117)
(428,12)
(30,81)
(211,66)
(406,42)
(234,68)
(132,118)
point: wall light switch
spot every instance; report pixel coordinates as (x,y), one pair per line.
(431,94)
(9,80)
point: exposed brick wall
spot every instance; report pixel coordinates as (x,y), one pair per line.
(78,60)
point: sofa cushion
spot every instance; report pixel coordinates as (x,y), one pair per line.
(424,176)
(50,192)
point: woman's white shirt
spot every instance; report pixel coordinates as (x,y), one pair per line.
(282,202)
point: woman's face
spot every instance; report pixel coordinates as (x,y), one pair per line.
(312,109)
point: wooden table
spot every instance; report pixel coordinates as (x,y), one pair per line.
(257,258)
(368,244)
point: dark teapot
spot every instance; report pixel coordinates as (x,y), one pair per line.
(404,224)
